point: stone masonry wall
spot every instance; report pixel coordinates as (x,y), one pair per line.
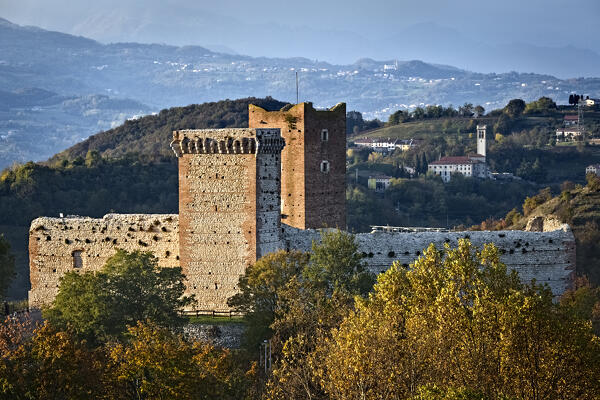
(310,198)
(58,245)
(228,206)
(548,257)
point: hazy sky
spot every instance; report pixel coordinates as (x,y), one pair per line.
(360,27)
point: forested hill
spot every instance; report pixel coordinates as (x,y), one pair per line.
(148,137)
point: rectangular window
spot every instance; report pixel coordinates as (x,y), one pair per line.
(77,259)
(324,135)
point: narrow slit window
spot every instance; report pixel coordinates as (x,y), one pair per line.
(324,135)
(77,259)
(324,166)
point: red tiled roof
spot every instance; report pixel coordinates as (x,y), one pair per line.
(454,160)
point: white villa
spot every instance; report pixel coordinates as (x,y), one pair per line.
(473,165)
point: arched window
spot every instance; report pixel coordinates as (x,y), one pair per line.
(325,166)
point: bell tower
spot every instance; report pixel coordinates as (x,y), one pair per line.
(481,131)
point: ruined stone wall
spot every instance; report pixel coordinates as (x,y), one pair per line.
(548,257)
(228,206)
(58,245)
(310,198)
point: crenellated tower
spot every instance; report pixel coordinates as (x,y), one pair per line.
(313,177)
(229,206)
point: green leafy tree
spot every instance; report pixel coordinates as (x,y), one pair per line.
(502,125)
(260,289)
(7,266)
(479,111)
(515,108)
(129,288)
(337,265)
(543,105)
(315,302)
(397,117)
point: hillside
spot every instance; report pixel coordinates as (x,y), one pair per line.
(514,144)
(149,137)
(137,79)
(579,206)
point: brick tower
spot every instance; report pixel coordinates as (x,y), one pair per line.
(313,177)
(229,206)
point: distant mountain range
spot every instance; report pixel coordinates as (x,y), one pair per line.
(57,89)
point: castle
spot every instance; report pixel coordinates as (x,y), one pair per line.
(246,192)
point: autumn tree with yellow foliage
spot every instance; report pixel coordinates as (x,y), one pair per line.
(458,319)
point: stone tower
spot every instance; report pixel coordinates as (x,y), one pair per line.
(229,206)
(313,177)
(481,130)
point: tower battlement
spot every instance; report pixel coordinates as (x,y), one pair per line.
(229,206)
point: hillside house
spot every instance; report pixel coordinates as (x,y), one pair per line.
(570,120)
(593,169)
(379,183)
(384,145)
(570,133)
(464,165)
(473,165)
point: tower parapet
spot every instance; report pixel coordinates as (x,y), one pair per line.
(229,202)
(313,176)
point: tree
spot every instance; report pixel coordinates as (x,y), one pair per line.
(92,158)
(260,288)
(543,105)
(129,288)
(593,182)
(479,111)
(397,117)
(49,364)
(418,113)
(502,126)
(466,110)
(459,319)
(159,364)
(515,108)
(314,303)
(7,266)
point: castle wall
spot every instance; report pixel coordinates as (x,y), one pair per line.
(310,198)
(59,245)
(228,205)
(548,257)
